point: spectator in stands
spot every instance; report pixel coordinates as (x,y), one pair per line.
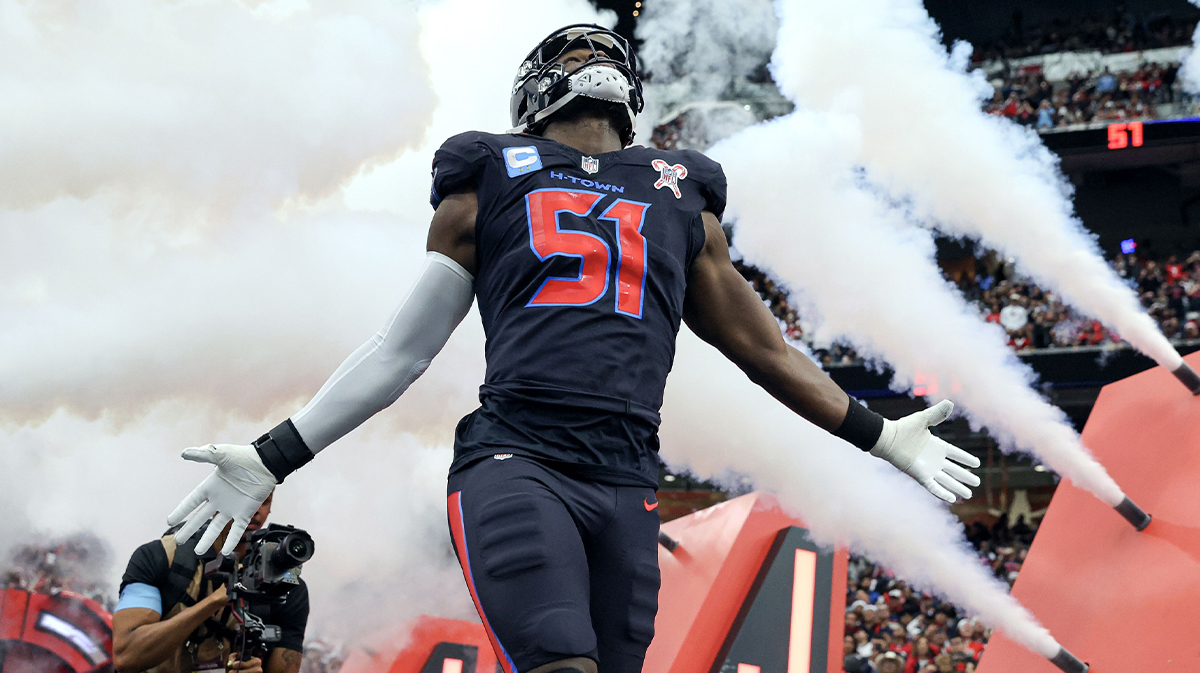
(1041,336)
(880,643)
(862,644)
(1045,119)
(1015,315)
(916,627)
(1171,327)
(919,656)
(993,313)
(883,615)
(972,637)
(856,664)
(1151,277)
(1173,270)
(959,653)
(1167,89)
(1021,531)
(889,662)
(852,621)
(870,620)
(1022,339)
(937,635)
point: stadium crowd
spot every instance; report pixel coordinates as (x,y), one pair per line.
(1023,94)
(1031,317)
(1028,98)
(1109,32)
(1034,318)
(892,628)
(72,564)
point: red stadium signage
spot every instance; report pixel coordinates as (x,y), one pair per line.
(1122,135)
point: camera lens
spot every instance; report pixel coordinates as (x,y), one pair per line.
(299,548)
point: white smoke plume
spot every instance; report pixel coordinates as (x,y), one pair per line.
(926,139)
(704,47)
(873,280)
(204,105)
(699,53)
(715,421)
(1189,70)
(193,236)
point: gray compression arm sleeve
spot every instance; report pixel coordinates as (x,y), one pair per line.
(377,373)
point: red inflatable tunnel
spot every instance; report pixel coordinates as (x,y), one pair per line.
(61,633)
(744,590)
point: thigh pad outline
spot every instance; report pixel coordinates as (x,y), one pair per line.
(512,538)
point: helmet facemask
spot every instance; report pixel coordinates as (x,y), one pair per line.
(543,87)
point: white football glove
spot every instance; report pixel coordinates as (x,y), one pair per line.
(908,444)
(234,491)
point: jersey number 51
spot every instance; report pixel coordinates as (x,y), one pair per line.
(547,240)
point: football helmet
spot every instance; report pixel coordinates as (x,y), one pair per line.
(543,87)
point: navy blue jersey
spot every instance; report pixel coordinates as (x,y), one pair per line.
(582,270)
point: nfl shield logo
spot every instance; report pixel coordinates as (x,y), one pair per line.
(591,165)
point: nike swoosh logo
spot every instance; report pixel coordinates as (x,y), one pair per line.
(650,506)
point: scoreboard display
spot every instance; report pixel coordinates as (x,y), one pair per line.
(1120,136)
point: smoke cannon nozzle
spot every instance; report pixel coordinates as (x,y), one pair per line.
(667,541)
(1069,662)
(1135,515)
(1188,377)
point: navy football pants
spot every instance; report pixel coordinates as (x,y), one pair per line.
(557,567)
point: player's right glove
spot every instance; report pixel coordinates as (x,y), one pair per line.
(367,382)
(934,463)
(234,491)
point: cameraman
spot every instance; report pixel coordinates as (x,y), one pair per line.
(195,632)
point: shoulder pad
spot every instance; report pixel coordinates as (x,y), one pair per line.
(705,172)
(458,163)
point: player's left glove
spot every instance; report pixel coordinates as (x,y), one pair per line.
(234,491)
(934,463)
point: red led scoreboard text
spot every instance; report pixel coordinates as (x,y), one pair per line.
(1122,135)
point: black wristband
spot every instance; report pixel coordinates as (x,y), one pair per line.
(283,450)
(861,427)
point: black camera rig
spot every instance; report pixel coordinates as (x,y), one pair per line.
(260,579)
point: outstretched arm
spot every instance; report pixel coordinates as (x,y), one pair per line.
(370,380)
(375,375)
(721,308)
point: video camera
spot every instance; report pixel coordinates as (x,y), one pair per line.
(269,569)
(273,559)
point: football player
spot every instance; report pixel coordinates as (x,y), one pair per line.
(584,253)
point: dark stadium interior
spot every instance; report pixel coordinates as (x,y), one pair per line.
(979,22)
(1129,149)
